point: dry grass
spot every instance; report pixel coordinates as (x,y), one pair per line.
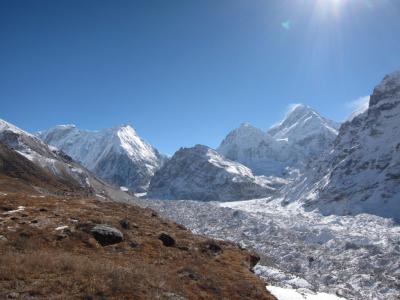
(47,273)
(39,262)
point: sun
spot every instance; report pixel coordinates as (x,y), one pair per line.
(330,7)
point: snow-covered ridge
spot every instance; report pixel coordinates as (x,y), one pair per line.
(302,121)
(201,173)
(43,155)
(362,171)
(118,155)
(6,126)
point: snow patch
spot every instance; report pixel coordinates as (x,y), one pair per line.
(292,294)
(61,227)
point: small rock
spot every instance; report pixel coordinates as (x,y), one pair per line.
(13,295)
(189,273)
(3,238)
(133,244)
(61,236)
(65,232)
(213,247)
(166,239)
(107,235)
(23,236)
(172,296)
(134,225)
(124,224)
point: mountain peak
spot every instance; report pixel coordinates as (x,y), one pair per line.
(388,88)
(302,120)
(299,107)
(66,126)
(299,110)
(125,125)
(118,155)
(127,130)
(245,125)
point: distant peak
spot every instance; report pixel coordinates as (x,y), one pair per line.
(246,128)
(201,147)
(127,126)
(298,108)
(127,129)
(66,126)
(246,124)
(295,112)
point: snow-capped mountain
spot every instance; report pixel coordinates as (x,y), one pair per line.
(306,130)
(201,173)
(301,136)
(118,155)
(257,150)
(364,166)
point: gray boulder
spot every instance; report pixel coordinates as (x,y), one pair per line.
(107,235)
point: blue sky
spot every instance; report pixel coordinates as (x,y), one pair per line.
(187,72)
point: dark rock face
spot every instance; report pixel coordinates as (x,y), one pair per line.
(119,169)
(107,235)
(166,239)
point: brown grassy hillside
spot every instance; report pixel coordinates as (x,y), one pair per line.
(38,260)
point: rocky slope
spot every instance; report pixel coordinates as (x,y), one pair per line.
(44,166)
(362,172)
(200,173)
(77,247)
(118,155)
(24,171)
(300,137)
(43,156)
